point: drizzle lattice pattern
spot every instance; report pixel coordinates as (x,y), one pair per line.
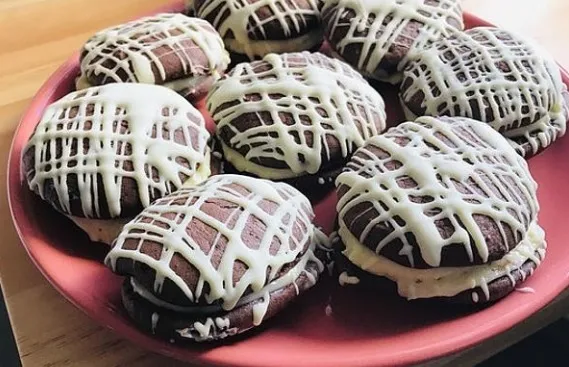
(297,98)
(433,170)
(378,27)
(153,50)
(92,144)
(170,221)
(489,75)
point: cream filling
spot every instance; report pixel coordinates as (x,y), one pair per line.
(449,281)
(261,48)
(107,230)
(289,278)
(100,230)
(243,165)
(177,85)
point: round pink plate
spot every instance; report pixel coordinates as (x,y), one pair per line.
(365,328)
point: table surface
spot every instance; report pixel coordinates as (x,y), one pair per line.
(36,36)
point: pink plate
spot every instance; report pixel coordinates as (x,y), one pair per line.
(364,329)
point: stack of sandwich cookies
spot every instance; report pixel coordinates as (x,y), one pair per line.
(378,36)
(444,207)
(295,117)
(217,259)
(494,76)
(103,154)
(181,53)
(253,28)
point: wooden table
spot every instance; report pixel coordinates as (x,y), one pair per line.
(38,35)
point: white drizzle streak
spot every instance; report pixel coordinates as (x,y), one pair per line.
(338,103)
(205,331)
(154,321)
(384,21)
(131,51)
(141,107)
(433,165)
(243,17)
(173,215)
(346,279)
(464,83)
(525,290)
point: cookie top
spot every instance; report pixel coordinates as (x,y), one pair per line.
(294,114)
(109,151)
(438,192)
(228,238)
(377,36)
(244,24)
(491,75)
(154,50)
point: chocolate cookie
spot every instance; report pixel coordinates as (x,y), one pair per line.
(494,76)
(254,28)
(377,36)
(107,152)
(215,260)
(294,116)
(181,53)
(440,206)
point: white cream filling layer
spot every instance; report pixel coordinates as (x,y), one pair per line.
(448,281)
(261,48)
(289,278)
(243,165)
(107,230)
(100,230)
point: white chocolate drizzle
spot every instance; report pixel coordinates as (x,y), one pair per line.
(154,321)
(235,19)
(289,224)
(136,51)
(260,309)
(439,154)
(525,290)
(324,98)
(211,328)
(328,310)
(495,76)
(94,144)
(380,25)
(346,279)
